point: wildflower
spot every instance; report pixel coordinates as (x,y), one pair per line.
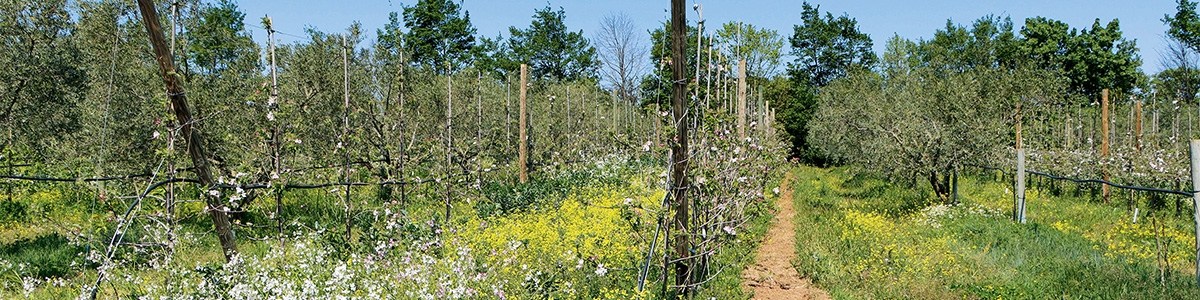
(154,136)
(600,270)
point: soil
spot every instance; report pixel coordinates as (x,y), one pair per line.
(772,275)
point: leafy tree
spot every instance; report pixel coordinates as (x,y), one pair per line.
(41,82)
(117,133)
(989,43)
(827,47)
(1092,59)
(1045,43)
(439,35)
(762,48)
(219,40)
(921,123)
(1101,58)
(552,52)
(1185,25)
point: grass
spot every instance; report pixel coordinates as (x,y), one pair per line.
(861,237)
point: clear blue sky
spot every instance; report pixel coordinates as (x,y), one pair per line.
(1140,20)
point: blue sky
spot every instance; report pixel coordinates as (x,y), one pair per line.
(1140,20)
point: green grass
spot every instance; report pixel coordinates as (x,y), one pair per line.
(863,237)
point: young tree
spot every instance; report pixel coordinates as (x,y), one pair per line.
(621,55)
(551,51)
(439,34)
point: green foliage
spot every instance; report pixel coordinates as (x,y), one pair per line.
(918,123)
(827,48)
(762,48)
(41,84)
(552,52)
(989,43)
(439,35)
(219,41)
(1185,25)
(1092,59)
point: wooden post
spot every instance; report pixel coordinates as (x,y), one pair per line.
(679,148)
(166,67)
(344,144)
(1137,125)
(449,138)
(741,99)
(1195,152)
(273,106)
(523,135)
(1020,187)
(1104,143)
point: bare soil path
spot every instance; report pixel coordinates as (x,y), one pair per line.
(772,275)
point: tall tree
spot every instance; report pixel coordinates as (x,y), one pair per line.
(827,47)
(439,34)
(550,50)
(990,42)
(621,54)
(1100,58)
(1092,59)
(761,48)
(1185,24)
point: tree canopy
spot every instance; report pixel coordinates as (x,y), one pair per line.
(440,35)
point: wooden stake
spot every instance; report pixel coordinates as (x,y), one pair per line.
(1137,125)
(741,100)
(449,138)
(1104,142)
(344,144)
(522,125)
(679,147)
(179,106)
(1195,152)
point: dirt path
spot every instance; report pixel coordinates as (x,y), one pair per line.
(772,275)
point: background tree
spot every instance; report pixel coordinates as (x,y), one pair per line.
(1180,78)
(41,82)
(656,86)
(1100,58)
(439,34)
(989,43)
(827,47)
(621,55)
(762,48)
(552,52)
(1092,59)
(921,123)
